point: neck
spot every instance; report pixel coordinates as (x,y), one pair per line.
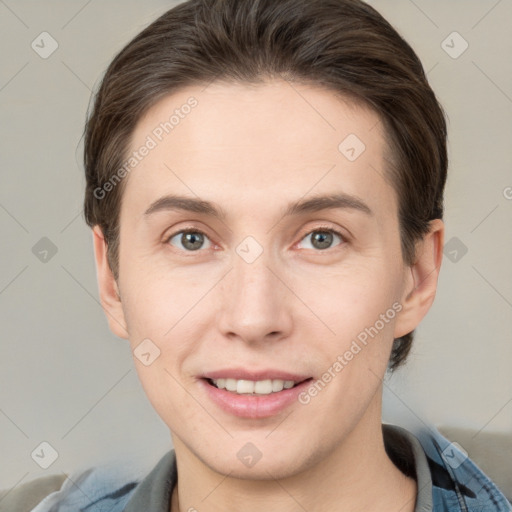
(357,475)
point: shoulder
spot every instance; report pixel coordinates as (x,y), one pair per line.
(25,497)
(458,483)
(109,486)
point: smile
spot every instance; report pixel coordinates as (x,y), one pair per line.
(251,387)
(256,399)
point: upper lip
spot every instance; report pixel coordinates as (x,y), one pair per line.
(244,374)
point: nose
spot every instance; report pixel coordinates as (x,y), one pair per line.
(255,304)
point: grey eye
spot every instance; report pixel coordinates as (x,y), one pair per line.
(322,239)
(190,240)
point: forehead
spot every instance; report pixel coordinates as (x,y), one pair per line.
(270,142)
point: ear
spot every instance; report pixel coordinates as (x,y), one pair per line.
(108,288)
(421,280)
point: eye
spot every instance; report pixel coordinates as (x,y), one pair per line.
(191,239)
(322,238)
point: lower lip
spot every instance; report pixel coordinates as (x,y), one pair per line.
(257,406)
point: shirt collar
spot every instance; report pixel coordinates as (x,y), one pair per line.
(153,494)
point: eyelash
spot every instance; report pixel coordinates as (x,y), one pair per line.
(321,229)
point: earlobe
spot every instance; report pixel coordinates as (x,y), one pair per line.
(108,288)
(421,280)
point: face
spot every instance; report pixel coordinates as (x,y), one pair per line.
(234,285)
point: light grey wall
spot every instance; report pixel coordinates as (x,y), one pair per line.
(66,380)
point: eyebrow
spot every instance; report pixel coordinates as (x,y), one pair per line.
(314,204)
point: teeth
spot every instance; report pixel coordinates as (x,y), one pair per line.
(259,387)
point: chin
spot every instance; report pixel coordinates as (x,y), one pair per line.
(258,460)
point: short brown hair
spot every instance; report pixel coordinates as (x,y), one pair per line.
(344,46)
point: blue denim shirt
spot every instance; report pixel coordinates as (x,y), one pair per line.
(448,481)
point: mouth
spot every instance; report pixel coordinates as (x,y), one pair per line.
(253,395)
(254,387)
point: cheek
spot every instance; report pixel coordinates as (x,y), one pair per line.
(355,300)
(162,312)
(167,396)
(361,313)
(154,302)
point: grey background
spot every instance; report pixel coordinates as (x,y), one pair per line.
(66,380)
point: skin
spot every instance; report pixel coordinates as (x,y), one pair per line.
(252,150)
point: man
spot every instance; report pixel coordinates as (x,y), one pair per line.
(265,186)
